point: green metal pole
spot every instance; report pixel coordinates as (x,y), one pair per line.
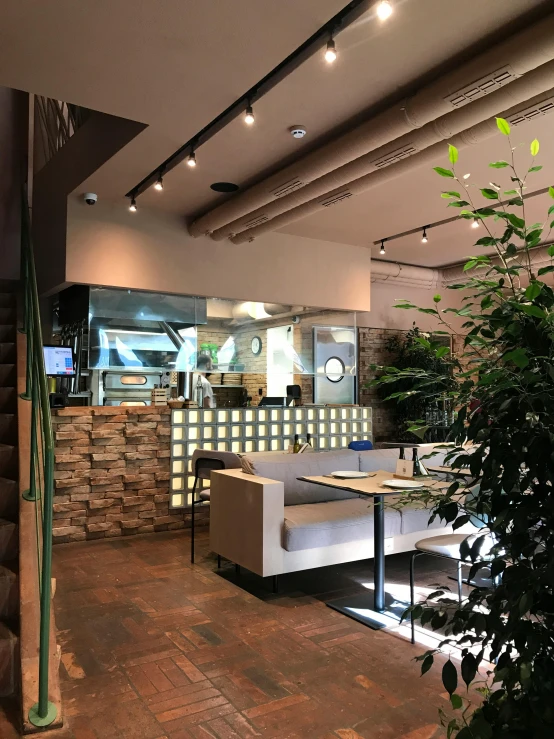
(31,493)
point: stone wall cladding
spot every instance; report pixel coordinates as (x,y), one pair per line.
(111,473)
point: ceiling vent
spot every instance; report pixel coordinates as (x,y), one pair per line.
(287,187)
(482,87)
(334,199)
(256,221)
(543,108)
(394,156)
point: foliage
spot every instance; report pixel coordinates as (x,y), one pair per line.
(506,414)
(412,351)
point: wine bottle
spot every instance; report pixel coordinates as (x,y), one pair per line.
(296,447)
(309,439)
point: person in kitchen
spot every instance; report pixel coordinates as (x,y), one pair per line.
(201,384)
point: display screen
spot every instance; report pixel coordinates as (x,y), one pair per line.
(58,360)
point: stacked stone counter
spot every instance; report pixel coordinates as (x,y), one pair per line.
(112,473)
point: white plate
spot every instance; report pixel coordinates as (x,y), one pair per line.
(349,475)
(403,484)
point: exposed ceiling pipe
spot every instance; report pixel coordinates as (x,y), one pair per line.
(429,156)
(405,274)
(534,83)
(539,257)
(497,67)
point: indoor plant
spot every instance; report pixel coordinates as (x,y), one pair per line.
(505,401)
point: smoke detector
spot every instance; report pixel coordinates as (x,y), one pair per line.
(298,131)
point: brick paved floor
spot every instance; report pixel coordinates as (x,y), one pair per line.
(155,648)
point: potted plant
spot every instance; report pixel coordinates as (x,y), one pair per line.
(505,400)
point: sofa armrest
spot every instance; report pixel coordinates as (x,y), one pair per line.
(246,520)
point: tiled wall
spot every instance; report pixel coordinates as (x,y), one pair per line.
(243,430)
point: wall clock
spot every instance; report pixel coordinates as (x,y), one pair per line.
(256,346)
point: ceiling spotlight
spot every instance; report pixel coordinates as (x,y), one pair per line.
(133,206)
(191,161)
(475,223)
(384,10)
(331,52)
(424,238)
(249,116)
(159,183)
(382,249)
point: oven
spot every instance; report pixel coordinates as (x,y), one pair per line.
(127,388)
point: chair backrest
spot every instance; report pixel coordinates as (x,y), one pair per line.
(204,465)
(206,460)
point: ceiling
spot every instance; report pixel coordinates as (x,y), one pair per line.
(176,65)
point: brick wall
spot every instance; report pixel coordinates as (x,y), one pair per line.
(112,473)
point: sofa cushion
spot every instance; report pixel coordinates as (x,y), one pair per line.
(288,467)
(334,522)
(415,517)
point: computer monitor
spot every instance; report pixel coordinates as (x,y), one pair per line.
(58,361)
(275,402)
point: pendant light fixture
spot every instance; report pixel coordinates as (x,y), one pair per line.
(475,223)
(424,238)
(191,161)
(331,51)
(382,249)
(159,183)
(133,206)
(384,10)
(249,115)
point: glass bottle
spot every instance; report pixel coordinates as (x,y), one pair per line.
(296,447)
(419,467)
(309,439)
(199,393)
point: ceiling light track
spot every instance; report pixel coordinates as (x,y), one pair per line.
(445,221)
(344,18)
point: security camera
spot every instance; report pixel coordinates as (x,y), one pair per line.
(90,198)
(295,319)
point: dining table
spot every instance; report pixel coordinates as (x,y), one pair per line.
(372,609)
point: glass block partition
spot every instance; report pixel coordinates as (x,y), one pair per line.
(243,430)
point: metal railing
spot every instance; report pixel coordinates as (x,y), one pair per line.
(57,121)
(41,473)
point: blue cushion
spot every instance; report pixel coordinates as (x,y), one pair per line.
(360,446)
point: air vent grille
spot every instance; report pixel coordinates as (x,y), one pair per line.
(334,199)
(394,156)
(256,221)
(543,108)
(482,87)
(287,187)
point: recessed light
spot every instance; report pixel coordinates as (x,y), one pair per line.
(224,187)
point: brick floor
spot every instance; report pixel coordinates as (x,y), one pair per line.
(155,648)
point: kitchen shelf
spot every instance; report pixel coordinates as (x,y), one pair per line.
(228,385)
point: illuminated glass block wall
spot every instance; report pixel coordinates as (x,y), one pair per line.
(244,430)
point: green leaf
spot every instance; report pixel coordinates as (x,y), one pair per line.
(533,310)
(442,351)
(456,701)
(525,603)
(437,298)
(499,165)
(503,126)
(515,220)
(550,251)
(450,194)
(551,192)
(453,154)
(535,169)
(449,677)
(518,357)
(511,192)
(490,194)
(469,668)
(533,291)
(535,146)
(551,210)
(545,270)
(458,204)
(444,172)
(486,241)
(427,664)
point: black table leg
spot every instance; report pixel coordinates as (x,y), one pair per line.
(379,555)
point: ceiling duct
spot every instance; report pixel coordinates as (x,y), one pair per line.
(519,54)
(533,111)
(456,127)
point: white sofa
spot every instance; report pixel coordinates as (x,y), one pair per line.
(271,523)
